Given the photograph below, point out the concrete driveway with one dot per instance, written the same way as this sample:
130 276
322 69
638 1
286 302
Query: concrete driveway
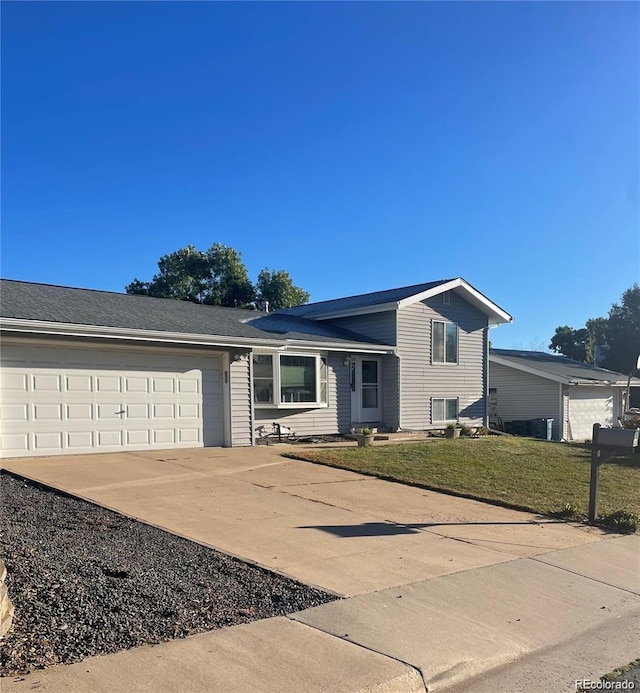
443 586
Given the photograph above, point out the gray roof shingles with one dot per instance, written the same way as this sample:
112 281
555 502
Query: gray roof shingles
46 302
560 366
363 300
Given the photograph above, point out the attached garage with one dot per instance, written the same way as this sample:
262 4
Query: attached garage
69 398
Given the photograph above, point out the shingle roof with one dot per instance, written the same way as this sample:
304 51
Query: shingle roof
560 367
60 304
362 300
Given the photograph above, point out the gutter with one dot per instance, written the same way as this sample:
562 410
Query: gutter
21 326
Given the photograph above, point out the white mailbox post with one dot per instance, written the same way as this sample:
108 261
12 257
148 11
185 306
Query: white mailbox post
604 443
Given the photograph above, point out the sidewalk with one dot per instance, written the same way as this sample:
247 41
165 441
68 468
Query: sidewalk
441 589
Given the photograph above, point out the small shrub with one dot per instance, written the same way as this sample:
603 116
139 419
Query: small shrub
621 520
569 510
451 426
365 431
465 430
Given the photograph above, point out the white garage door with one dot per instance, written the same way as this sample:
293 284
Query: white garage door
589 405
61 400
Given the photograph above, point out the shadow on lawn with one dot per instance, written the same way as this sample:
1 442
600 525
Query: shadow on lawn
382 529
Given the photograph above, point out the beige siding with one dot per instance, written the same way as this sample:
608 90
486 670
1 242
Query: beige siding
326 420
421 380
240 397
521 396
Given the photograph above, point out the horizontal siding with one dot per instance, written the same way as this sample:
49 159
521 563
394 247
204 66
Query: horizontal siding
421 380
240 396
378 326
389 392
322 421
521 396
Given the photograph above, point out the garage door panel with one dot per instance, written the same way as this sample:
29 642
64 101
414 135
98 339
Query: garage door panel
164 436
78 383
136 384
589 405
108 383
57 400
46 442
18 443
47 382
137 411
79 440
14 412
14 382
79 412
141 437
47 412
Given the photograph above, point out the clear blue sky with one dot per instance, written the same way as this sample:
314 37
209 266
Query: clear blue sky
360 146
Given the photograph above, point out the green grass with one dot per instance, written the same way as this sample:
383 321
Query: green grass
529 474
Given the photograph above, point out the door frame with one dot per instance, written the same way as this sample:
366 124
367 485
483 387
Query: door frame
358 413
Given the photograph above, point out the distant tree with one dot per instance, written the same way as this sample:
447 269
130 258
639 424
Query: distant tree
217 277
570 343
619 334
623 332
275 288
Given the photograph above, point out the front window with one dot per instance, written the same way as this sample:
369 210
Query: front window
289 380
444 342
444 410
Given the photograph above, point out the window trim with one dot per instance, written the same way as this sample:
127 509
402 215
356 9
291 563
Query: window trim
277 380
444 400
444 362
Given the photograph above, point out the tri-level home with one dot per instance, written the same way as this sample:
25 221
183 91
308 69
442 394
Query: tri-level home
93 371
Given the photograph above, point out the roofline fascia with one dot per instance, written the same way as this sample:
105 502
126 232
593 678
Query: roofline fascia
350 312
557 378
460 283
22 326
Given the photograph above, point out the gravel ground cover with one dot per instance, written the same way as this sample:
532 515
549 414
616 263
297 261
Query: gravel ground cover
86 581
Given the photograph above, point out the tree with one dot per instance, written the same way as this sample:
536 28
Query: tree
619 334
570 343
276 289
217 277
623 332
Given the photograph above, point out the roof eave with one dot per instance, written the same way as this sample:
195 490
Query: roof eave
496 315
378 308
41 327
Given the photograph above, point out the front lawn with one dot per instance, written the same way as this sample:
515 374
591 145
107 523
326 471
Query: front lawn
524 473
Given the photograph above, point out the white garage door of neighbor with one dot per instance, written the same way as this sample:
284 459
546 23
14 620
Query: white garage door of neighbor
589 405
62 400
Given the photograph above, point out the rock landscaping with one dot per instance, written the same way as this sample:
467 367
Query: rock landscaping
87 581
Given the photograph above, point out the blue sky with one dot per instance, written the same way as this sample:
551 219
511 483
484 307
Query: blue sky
360 146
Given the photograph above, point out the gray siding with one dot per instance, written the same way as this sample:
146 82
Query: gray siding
382 328
326 420
378 326
389 392
421 380
240 399
522 396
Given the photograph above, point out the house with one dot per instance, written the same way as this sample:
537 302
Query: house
527 385
92 371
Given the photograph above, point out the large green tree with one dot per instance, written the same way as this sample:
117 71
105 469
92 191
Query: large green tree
618 335
275 288
218 277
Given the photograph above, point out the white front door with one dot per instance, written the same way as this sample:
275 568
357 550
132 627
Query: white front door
365 389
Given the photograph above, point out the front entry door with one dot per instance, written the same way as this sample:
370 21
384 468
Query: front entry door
365 389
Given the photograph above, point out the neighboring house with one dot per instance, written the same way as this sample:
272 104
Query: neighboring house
92 371
527 385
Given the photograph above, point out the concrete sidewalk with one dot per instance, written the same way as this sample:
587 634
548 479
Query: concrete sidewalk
441 589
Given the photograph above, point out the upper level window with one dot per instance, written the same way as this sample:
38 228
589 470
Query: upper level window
289 380
444 342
